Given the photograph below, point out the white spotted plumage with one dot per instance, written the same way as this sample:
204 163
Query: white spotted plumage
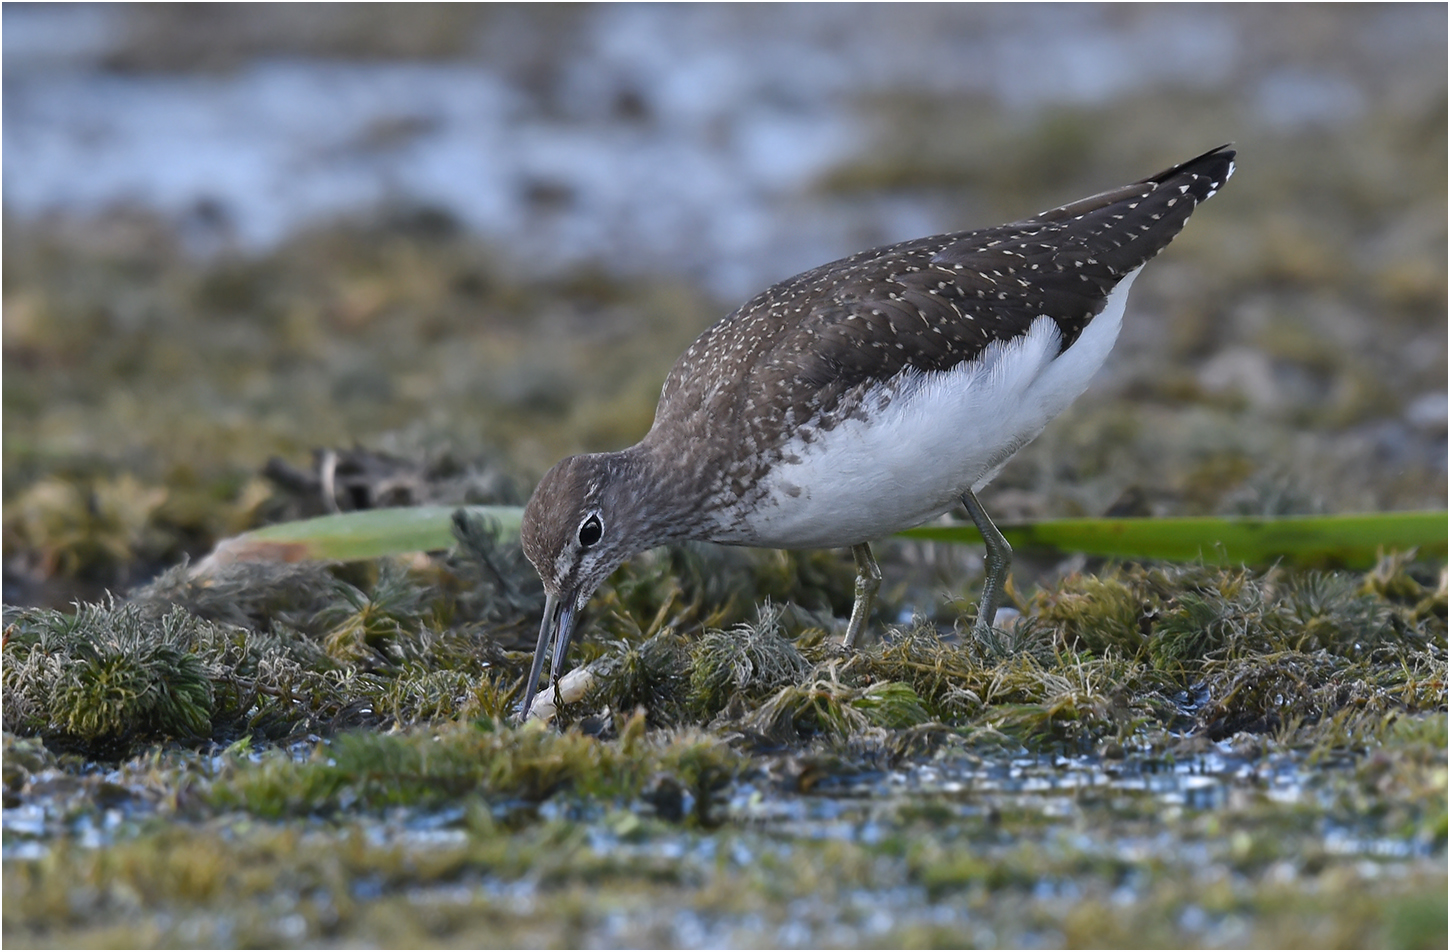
923 439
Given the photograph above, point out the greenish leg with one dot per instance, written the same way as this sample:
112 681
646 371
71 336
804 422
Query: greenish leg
868 581
999 558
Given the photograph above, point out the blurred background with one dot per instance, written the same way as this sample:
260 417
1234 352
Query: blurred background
453 243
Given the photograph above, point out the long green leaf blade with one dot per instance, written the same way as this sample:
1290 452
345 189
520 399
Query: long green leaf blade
367 534
1350 541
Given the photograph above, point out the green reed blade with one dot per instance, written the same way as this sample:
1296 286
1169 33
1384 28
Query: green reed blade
366 534
1350 541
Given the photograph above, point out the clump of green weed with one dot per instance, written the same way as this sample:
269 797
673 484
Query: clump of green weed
1392 581
361 625
1072 700
653 674
1197 623
106 677
365 770
484 580
111 677
1179 617
687 587
1097 613
1279 650
814 580
750 660
1332 612
947 679
1265 693
255 649
826 706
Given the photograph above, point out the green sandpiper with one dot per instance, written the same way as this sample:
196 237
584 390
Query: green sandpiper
863 397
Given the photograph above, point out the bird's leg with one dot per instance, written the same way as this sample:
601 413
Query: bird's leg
999 558
868 580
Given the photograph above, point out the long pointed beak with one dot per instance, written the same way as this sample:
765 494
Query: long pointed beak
560 618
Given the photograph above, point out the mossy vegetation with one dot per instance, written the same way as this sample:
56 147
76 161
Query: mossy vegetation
365 771
294 736
291 650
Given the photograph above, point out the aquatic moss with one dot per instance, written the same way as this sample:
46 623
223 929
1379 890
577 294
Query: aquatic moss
1097 612
364 625
111 677
290 651
107 676
1265 651
948 679
750 660
370 771
652 675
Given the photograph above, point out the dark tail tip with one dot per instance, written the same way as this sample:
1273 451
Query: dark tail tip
1216 164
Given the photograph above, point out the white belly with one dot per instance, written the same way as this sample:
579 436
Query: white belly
926 438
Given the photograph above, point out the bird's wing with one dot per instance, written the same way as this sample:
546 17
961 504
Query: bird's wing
931 303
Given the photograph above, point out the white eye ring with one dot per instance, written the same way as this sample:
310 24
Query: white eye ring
591 530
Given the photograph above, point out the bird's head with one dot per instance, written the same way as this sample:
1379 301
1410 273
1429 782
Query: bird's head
583 521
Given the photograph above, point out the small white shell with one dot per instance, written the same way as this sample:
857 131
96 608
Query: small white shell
572 687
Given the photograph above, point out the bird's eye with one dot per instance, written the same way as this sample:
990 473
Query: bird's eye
590 531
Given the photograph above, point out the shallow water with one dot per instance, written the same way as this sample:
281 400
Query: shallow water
101 805
684 140
990 847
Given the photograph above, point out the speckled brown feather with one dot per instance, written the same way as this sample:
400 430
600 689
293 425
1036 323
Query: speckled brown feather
799 356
